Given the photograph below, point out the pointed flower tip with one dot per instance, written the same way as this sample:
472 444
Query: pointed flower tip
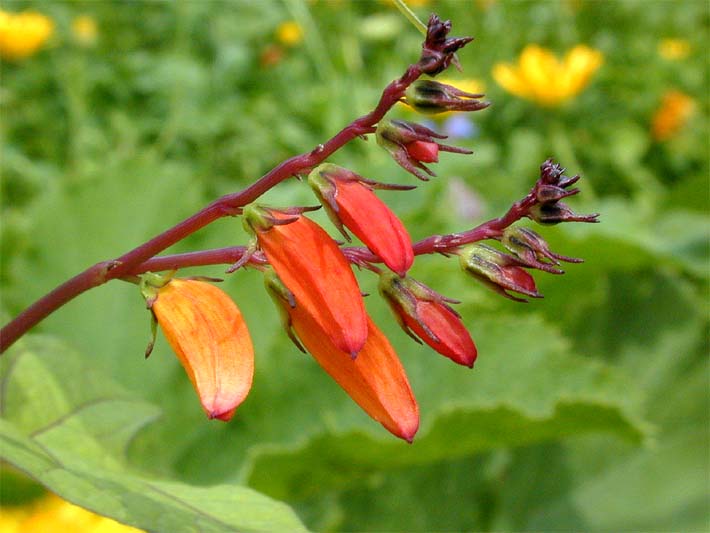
208 334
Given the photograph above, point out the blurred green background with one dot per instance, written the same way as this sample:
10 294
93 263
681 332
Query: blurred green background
587 410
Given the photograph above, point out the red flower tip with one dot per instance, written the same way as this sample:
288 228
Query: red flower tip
426 152
350 202
312 266
427 316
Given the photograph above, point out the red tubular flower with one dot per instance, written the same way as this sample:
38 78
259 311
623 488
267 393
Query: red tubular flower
349 200
375 380
210 338
310 263
426 316
500 271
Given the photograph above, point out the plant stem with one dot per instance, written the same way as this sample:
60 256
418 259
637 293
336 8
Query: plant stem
229 205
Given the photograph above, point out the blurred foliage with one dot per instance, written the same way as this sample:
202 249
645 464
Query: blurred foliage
587 410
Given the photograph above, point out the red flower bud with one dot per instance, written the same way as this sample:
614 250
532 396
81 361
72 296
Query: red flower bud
412 144
375 380
349 201
210 338
312 266
426 316
531 249
426 152
500 271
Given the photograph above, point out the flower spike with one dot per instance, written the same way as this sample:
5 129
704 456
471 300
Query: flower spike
426 316
208 334
349 200
375 380
315 270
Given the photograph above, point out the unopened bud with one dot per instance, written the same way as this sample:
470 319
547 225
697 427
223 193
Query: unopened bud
533 250
411 145
431 97
497 270
427 316
555 213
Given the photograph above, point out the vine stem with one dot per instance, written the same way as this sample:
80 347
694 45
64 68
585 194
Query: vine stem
229 205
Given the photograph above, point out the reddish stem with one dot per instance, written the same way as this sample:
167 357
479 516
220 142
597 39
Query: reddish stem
228 205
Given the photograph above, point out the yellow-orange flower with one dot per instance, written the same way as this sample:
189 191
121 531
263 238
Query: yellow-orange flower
541 77
51 513
22 34
289 33
210 338
375 379
85 30
675 110
674 49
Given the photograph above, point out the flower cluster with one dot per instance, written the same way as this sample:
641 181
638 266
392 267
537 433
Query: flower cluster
310 278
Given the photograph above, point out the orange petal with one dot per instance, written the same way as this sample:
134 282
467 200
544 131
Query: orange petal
375 224
314 269
208 333
375 380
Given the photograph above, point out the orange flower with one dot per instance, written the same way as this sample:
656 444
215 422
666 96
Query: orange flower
349 200
375 379
426 316
312 266
209 336
673 114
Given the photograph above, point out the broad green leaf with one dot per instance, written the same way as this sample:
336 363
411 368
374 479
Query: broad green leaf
67 426
519 392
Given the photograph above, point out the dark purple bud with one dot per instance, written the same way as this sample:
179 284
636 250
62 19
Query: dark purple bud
438 50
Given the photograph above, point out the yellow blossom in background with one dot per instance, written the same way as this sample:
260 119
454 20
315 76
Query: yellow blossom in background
22 34
52 514
674 49
289 33
85 30
541 77
672 115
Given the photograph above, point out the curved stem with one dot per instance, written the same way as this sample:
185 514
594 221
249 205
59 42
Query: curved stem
228 205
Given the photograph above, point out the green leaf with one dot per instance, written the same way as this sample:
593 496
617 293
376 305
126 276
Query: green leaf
68 427
520 392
